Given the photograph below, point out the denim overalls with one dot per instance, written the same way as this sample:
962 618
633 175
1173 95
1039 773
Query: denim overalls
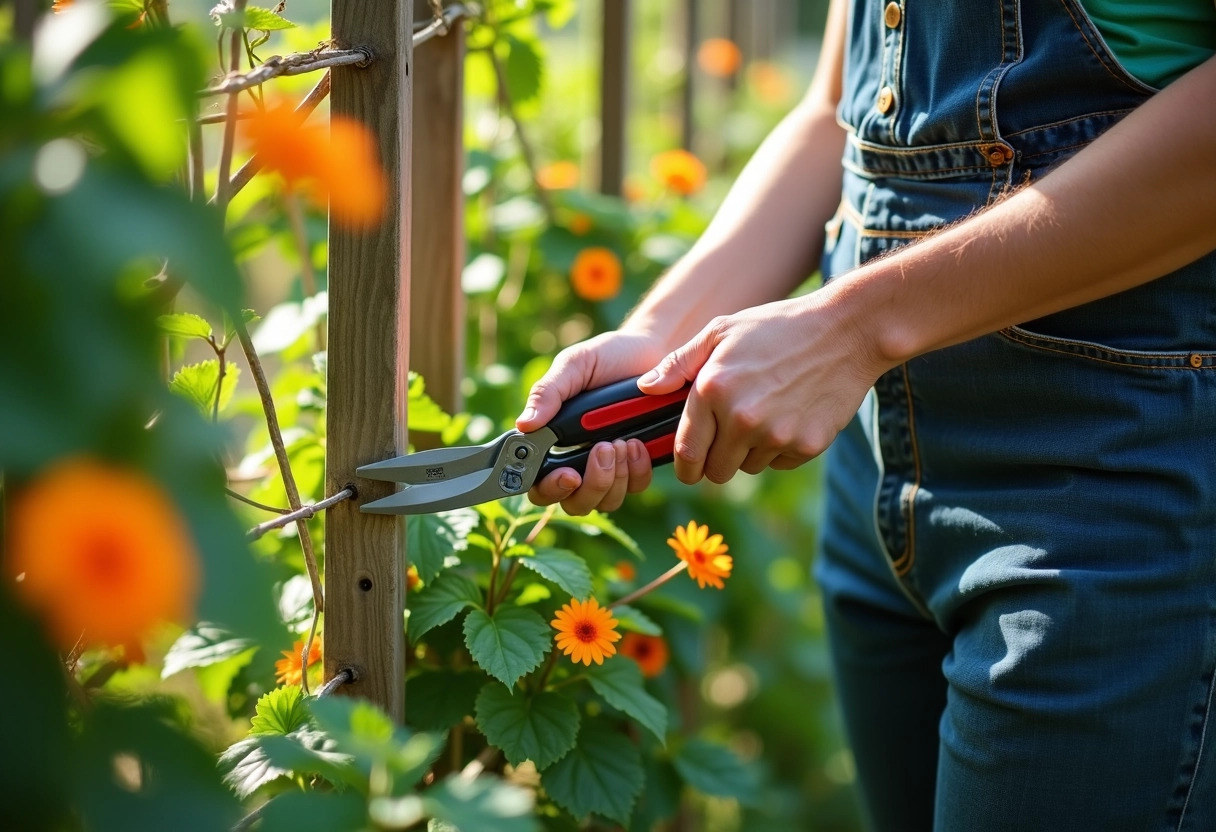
1018 560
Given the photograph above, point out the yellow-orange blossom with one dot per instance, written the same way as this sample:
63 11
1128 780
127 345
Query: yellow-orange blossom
585 631
706 556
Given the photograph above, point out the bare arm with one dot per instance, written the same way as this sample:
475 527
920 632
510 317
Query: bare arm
776 383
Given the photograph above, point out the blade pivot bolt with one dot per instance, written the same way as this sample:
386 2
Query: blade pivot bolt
521 452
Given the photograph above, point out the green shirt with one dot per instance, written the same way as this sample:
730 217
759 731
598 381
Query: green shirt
1157 41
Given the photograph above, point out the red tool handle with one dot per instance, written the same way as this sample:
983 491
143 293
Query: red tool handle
614 412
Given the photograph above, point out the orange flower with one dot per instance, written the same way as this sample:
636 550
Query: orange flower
596 274
60 6
585 631
558 176
101 550
633 189
625 570
412 579
706 556
679 170
289 670
719 57
337 162
650 652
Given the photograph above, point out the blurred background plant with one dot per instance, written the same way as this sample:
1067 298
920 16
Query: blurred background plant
92 208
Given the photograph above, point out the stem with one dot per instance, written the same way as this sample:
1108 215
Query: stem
219 384
312 633
507 581
653 585
302 513
223 190
280 452
236 495
479 764
532 535
544 674
490 593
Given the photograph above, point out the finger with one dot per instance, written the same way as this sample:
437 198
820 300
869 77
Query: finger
567 376
620 486
682 364
640 468
787 462
694 437
725 456
598 479
556 487
757 460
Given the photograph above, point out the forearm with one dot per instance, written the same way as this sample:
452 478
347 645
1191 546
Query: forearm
768 234
1136 204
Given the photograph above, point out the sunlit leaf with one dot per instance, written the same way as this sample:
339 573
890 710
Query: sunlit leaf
431 538
631 618
440 602
200 646
280 711
562 567
524 68
184 324
197 383
509 644
620 683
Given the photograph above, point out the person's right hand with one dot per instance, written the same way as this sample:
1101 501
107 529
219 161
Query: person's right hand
613 469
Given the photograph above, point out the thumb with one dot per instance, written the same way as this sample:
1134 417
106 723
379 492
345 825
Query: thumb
682 364
564 379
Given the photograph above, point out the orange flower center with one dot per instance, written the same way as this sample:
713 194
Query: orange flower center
586 632
643 649
105 562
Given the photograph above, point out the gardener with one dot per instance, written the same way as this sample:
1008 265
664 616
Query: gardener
1018 558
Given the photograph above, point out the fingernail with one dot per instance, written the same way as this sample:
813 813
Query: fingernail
635 451
568 482
529 414
605 457
649 378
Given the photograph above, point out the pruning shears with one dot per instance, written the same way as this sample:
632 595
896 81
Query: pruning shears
447 478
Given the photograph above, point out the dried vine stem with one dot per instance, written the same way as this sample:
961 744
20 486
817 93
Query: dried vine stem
297 64
223 191
280 453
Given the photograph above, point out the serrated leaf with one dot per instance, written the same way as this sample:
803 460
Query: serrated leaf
714 769
593 524
440 602
197 383
631 618
508 645
200 646
247 766
280 711
541 728
524 69
483 803
438 699
601 774
620 683
431 538
265 19
184 324
562 567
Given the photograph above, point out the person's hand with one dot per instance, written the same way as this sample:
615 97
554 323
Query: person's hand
614 469
772 386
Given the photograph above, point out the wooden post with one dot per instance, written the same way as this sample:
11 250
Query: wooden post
614 94
438 254
368 357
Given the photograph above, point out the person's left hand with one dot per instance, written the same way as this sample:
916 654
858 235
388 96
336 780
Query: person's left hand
772 386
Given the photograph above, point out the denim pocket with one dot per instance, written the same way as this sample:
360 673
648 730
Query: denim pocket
1092 351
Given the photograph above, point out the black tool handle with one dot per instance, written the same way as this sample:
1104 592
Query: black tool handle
659 440
612 412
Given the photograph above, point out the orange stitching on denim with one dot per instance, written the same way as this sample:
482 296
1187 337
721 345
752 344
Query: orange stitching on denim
909 554
1046 344
1081 31
846 211
1064 121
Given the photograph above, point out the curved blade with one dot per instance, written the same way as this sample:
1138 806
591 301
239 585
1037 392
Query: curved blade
438 465
468 490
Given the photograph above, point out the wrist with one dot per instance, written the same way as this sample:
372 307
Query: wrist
860 314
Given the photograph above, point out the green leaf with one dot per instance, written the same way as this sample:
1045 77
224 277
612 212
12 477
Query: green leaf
203 645
363 730
248 765
508 645
620 683
714 769
265 19
293 811
197 383
541 728
438 699
524 68
185 325
424 413
633 619
440 602
602 774
280 711
562 567
431 538
483 803
593 524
